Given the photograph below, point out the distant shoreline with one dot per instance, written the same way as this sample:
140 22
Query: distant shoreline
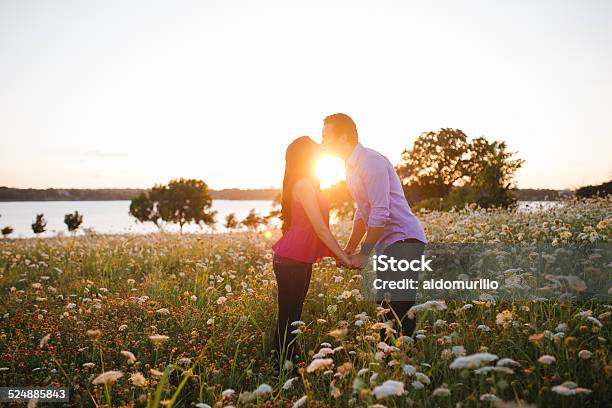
8 194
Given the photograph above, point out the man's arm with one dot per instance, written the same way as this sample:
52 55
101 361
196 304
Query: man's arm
376 180
357 233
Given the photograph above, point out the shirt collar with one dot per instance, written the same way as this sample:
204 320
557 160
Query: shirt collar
355 154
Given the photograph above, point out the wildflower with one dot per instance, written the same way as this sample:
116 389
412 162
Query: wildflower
547 359
569 388
388 388
289 383
319 363
44 340
504 362
263 389
131 358
71 306
94 333
156 373
488 369
300 402
504 317
585 354
417 385
458 351
594 320
323 352
158 339
362 372
571 341
472 361
107 377
386 348
163 311
184 361
441 392
338 333
228 393
138 379
88 365
489 398
193 298
422 378
334 392
536 338
221 300
408 369
429 305
344 369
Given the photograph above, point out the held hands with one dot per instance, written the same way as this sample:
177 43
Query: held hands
358 261
353 259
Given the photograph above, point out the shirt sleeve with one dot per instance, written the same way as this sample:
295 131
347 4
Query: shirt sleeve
376 180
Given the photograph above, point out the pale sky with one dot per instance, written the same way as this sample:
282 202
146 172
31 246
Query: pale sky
126 93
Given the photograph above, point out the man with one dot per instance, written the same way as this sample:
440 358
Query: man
382 215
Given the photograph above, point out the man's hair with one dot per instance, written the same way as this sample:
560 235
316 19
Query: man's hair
343 124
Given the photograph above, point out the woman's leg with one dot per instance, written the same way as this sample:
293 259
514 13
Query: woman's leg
292 280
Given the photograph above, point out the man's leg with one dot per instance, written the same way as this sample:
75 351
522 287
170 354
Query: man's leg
403 299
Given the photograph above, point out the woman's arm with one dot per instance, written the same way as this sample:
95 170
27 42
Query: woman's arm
304 192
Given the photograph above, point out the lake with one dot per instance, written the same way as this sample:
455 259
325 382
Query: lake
112 217
109 217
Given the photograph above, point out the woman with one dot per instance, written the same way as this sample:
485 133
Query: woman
306 239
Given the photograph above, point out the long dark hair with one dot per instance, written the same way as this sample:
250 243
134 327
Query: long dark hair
300 160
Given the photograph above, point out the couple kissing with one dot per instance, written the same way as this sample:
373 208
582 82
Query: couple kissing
383 223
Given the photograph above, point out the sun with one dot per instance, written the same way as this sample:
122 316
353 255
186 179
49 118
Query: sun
330 170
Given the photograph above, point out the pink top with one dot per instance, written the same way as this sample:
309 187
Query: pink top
300 242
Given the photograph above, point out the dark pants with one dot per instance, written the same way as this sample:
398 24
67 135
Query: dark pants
401 300
292 279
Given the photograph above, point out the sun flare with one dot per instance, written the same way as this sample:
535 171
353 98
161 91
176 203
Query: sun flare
330 170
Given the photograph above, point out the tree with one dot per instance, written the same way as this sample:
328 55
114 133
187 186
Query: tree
340 200
186 200
231 222
73 221
6 231
491 170
276 211
40 225
443 170
253 220
145 206
436 163
600 190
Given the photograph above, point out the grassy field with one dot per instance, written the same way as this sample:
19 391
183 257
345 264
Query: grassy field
186 320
